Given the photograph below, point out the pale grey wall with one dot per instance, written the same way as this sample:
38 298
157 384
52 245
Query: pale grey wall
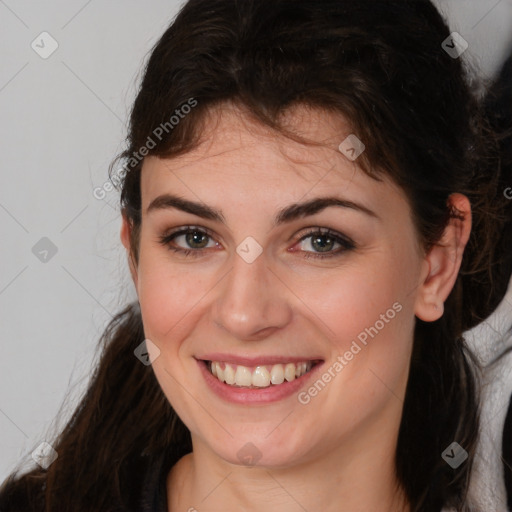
62 120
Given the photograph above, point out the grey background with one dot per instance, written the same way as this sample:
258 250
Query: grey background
62 121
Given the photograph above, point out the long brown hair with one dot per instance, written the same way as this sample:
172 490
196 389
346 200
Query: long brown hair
381 65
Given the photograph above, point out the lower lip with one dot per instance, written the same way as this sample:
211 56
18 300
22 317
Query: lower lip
267 395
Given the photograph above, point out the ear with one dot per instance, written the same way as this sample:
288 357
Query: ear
442 263
126 228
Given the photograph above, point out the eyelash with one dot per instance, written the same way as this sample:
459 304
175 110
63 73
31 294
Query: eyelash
345 242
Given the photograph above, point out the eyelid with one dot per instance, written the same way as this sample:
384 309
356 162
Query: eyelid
313 230
191 227
346 242
169 235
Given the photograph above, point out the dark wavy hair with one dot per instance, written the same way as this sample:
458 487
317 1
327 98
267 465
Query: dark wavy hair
380 64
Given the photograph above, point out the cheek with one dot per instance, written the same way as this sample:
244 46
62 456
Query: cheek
367 314
370 324
170 295
348 302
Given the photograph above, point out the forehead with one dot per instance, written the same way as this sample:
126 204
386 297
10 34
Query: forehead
237 150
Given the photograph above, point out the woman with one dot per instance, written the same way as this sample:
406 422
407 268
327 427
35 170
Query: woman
335 170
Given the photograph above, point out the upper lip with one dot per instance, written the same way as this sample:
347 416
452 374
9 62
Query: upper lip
256 361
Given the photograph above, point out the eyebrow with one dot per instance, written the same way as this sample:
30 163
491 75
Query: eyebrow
287 214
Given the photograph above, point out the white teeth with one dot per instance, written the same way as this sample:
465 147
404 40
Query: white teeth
277 374
229 375
289 372
220 371
260 376
243 376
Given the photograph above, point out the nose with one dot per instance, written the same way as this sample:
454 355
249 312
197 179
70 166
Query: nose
252 302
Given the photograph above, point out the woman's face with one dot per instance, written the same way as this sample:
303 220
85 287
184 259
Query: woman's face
259 286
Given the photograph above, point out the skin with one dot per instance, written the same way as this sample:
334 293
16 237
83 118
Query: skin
337 451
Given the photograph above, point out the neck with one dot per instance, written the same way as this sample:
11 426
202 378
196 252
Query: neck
349 479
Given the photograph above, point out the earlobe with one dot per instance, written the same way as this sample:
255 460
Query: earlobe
442 263
125 239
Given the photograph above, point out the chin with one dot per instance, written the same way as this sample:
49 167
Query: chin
262 452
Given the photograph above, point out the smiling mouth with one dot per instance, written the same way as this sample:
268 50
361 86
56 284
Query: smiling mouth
262 376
